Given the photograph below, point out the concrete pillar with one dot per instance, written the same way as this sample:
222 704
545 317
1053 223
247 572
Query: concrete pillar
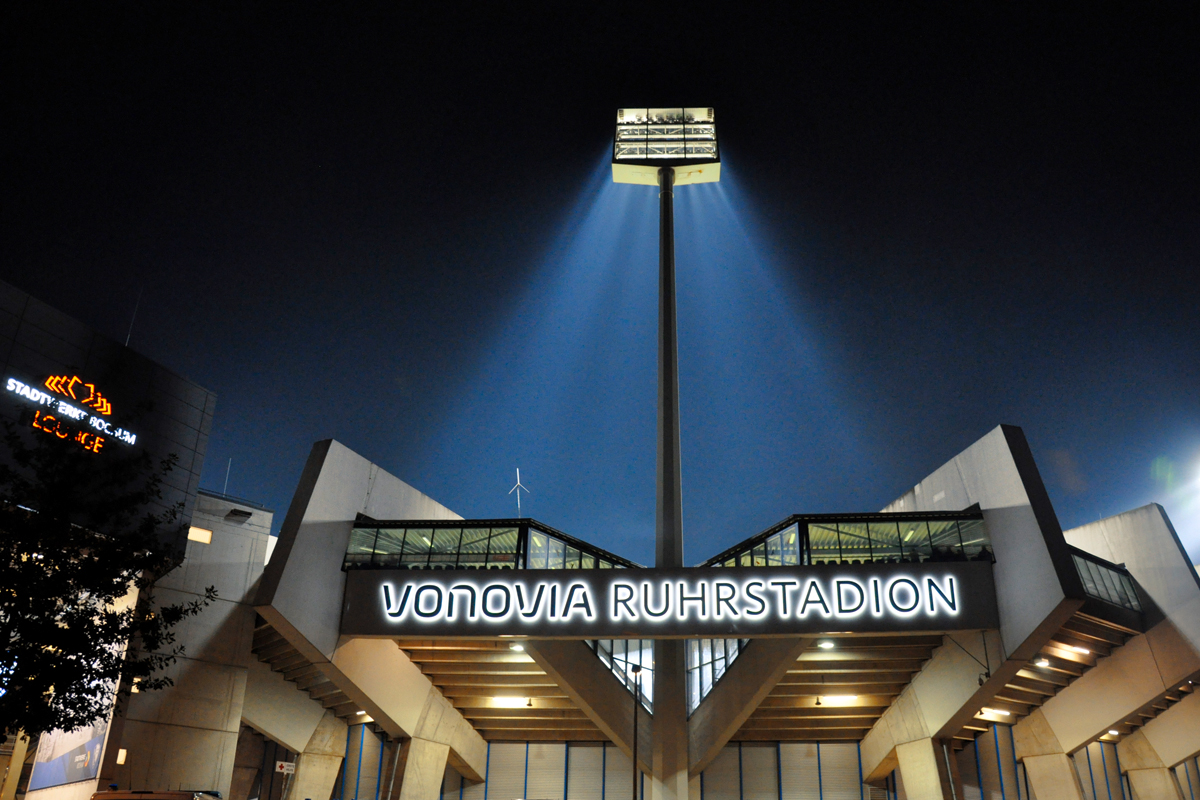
669 759
926 771
1148 774
420 769
934 701
1053 777
247 763
317 767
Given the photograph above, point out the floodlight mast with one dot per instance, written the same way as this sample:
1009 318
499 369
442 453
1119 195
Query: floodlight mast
667 147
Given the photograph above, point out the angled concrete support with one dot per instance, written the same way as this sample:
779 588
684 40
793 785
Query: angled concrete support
303 586
597 692
750 678
318 764
1147 754
933 702
1053 777
1134 674
669 754
420 769
926 768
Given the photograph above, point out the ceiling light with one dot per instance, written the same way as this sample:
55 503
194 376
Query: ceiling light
517 646
1080 650
359 713
511 702
1114 733
825 645
839 699
1043 662
997 711
426 538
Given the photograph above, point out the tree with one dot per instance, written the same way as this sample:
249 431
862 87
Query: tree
77 534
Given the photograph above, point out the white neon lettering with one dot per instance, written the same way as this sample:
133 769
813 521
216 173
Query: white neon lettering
584 601
813 597
618 600
781 591
437 608
483 601
666 605
701 598
719 598
949 601
762 606
462 587
913 590
842 586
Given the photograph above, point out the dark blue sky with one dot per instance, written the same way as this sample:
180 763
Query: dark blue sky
396 228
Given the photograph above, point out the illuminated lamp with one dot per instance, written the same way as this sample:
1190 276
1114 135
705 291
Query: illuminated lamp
201 535
517 646
997 711
511 702
1081 650
1043 662
121 753
683 140
1114 733
839 699
826 645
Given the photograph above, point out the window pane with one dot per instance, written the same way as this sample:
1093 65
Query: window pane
943 536
445 545
557 551
362 540
974 537
774 553
823 541
537 550
855 544
503 547
885 541
588 561
391 540
790 546
760 555
914 538
572 558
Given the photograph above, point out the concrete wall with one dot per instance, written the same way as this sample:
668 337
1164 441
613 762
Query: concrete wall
1033 572
186 735
1146 543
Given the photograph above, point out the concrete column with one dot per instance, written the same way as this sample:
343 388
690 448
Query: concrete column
1053 777
247 763
317 767
669 759
926 771
420 769
1148 774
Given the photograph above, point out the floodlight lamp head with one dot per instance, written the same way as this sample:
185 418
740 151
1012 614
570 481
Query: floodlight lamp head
648 139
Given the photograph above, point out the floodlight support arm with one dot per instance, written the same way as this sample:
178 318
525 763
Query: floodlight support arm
668 546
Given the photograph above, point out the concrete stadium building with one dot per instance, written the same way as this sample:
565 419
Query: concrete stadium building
957 644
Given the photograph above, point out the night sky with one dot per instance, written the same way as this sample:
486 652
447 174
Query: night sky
394 225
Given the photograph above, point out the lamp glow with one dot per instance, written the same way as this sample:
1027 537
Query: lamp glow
825 645
996 711
650 138
839 699
517 647
1043 662
510 702
1114 733
1081 650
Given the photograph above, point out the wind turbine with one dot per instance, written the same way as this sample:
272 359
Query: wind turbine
518 489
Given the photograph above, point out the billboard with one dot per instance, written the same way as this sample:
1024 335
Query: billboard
59 378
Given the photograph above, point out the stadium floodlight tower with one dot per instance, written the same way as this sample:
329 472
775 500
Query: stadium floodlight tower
667 147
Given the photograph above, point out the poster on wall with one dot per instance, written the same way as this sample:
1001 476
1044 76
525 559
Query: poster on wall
67 757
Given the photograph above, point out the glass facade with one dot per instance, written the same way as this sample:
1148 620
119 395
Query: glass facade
471 544
1105 581
707 661
863 539
621 656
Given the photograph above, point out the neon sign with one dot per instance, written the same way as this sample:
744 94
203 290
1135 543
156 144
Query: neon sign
63 419
718 602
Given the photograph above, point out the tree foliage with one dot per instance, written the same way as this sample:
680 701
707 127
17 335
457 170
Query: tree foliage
77 534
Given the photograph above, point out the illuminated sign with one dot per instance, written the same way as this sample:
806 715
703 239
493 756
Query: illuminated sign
84 423
719 603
